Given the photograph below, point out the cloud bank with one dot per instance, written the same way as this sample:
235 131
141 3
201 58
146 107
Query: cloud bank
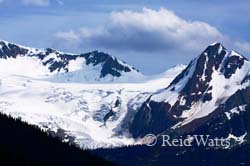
150 31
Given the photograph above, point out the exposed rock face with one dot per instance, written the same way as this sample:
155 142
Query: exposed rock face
230 120
11 50
110 64
210 86
57 61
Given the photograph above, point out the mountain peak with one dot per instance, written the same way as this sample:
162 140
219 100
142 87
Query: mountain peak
102 64
216 44
214 49
4 42
206 82
215 58
237 54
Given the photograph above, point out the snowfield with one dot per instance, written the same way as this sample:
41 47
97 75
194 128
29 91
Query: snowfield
88 113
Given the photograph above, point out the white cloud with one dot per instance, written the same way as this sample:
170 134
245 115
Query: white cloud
151 31
36 2
71 39
71 35
244 46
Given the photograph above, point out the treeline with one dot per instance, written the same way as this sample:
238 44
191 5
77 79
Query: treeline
23 144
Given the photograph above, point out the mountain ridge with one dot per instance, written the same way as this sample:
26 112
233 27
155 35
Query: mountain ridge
192 98
77 105
182 100
99 65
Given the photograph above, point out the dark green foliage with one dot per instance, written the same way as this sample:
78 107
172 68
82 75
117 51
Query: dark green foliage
22 144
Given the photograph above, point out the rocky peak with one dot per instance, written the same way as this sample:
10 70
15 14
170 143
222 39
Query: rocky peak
205 83
58 62
214 49
8 50
110 64
233 62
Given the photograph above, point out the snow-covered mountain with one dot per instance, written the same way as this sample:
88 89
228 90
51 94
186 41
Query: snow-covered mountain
210 95
64 67
85 99
96 100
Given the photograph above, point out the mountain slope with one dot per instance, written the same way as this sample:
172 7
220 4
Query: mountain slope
65 67
196 95
91 114
68 104
54 92
22 144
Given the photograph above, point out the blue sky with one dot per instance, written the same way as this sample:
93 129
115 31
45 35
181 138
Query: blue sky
151 35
